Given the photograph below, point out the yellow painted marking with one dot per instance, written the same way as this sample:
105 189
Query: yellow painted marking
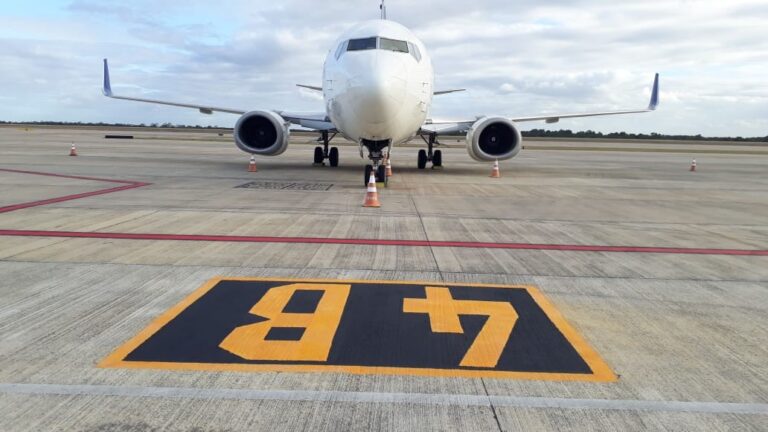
249 341
444 312
600 370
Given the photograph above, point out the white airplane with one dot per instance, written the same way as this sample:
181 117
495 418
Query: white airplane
377 88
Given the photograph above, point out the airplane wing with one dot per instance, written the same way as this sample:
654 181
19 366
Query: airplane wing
316 121
308 120
205 109
452 127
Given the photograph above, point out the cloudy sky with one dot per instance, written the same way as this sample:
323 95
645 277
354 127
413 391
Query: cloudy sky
521 57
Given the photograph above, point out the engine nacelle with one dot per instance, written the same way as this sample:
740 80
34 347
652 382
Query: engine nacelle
261 133
492 138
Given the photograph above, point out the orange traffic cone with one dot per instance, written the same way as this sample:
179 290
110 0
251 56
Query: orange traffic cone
252 165
371 195
73 150
495 172
693 165
388 171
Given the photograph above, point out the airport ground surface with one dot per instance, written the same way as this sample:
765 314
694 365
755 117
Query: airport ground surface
685 330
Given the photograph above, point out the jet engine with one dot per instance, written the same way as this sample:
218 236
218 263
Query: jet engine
262 133
492 138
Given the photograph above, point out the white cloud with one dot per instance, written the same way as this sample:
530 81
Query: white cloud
516 58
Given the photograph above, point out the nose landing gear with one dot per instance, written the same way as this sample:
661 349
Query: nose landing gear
323 153
379 172
435 156
376 155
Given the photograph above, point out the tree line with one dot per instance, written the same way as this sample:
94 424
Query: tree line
152 125
542 133
567 133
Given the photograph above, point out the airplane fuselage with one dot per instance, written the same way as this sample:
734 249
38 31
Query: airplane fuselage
378 84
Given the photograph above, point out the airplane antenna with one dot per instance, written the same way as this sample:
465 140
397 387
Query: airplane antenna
383 8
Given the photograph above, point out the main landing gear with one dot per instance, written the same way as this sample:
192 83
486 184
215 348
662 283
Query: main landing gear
435 156
323 153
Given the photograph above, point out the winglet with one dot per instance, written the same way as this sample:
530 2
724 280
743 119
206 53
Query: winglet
107 89
654 94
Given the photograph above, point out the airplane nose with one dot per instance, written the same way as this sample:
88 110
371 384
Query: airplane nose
379 102
379 94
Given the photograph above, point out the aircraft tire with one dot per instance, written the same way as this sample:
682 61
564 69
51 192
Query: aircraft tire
437 158
422 160
333 156
381 176
368 170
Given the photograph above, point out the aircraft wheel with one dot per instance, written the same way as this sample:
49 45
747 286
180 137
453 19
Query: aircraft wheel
319 155
333 156
368 171
437 158
422 161
381 176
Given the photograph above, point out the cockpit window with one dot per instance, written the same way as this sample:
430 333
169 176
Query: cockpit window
393 45
361 44
371 43
342 47
415 51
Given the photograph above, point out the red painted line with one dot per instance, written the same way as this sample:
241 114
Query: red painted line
384 242
128 184
68 176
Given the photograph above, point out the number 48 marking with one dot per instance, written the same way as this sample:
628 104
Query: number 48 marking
250 341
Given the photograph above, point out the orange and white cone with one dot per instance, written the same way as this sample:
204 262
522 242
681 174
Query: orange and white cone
252 165
693 165
371 195
73 150
388 171
495 173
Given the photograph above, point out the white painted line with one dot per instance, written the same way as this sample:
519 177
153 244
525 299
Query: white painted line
632 405
373 397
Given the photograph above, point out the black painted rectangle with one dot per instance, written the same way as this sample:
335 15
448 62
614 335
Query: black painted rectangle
289 186
373 331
